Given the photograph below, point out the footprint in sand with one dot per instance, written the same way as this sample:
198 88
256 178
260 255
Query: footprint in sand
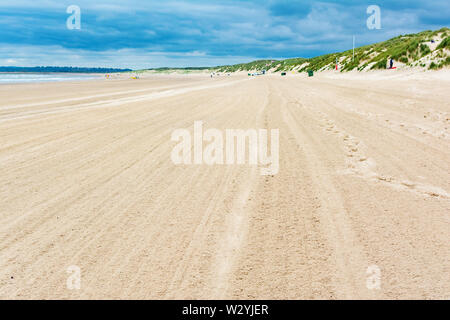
365 167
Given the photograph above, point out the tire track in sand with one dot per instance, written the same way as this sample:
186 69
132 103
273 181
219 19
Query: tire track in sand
351 261
361 165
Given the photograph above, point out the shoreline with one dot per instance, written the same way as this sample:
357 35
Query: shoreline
46 77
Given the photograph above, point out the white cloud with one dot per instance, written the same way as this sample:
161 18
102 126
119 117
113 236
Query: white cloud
196 54
197 32
123 58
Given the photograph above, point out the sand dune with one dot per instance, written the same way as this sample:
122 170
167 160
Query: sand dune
86 180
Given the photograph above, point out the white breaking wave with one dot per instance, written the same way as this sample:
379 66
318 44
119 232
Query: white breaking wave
43 77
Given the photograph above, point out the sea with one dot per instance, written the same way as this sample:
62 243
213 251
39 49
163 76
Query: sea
15 77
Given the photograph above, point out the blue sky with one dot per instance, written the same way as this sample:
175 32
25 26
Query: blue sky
148 33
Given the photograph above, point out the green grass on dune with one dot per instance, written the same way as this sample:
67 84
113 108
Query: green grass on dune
407 49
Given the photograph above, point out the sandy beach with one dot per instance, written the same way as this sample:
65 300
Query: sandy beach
86 180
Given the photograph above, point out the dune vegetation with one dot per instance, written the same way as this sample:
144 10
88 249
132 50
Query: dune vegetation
427 49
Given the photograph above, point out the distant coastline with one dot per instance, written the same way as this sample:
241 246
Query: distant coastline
60 70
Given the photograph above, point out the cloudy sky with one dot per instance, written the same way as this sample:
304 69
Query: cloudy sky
148 33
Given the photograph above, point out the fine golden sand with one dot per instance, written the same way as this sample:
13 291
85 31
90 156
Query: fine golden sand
86 180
